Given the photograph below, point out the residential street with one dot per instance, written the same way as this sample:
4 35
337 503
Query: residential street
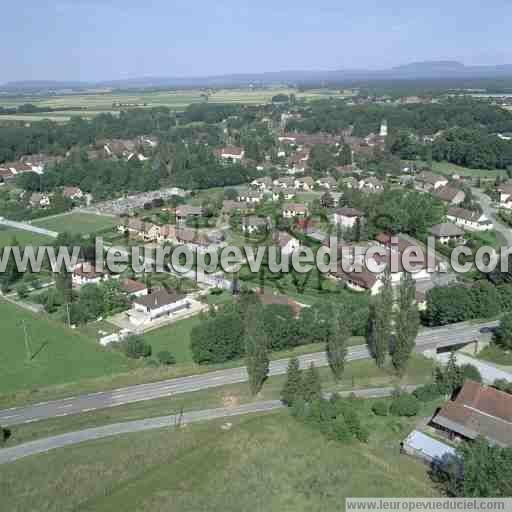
490 212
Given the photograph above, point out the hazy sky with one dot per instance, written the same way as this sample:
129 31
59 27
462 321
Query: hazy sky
112 39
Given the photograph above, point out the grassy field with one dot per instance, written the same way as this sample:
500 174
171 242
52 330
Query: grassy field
359 374
77 223
114 101
450 169
23 237
59 355
264 462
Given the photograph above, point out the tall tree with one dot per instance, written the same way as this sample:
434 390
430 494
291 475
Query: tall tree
336 346
407 323
293 387
256 354
312 384
379 323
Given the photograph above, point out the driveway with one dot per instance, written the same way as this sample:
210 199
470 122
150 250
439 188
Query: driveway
490 212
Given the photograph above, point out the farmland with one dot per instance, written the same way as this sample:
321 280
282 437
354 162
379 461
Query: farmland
77 223
269 462
55 354
93 103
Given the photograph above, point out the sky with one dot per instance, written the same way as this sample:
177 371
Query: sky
93 40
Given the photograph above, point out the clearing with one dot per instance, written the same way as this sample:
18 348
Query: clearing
78 223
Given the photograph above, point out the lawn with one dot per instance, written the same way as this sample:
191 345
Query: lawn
23 237
263 462
495 354
450 169
174 338
78 223
59 355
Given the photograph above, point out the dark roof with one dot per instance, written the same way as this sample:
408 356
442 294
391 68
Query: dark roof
479 411
349 212
446 193
159 298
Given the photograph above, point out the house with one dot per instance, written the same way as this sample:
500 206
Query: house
264 183
152 233
292 210
364 281
6 174
73 193
232 153
450 195
38 200
286 242
470 220
328 183
305 184
21 167
167 233
371 185
250 196
447 232
87 273
347 217
159 304
134 226
253 224
133 288
199 241
505 195
478 411
229 206
428 181
285 193
186 211
284 182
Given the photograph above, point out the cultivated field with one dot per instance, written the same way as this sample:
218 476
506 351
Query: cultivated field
77 223
55 355
265 462
91 104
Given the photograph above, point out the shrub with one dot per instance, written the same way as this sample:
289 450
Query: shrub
405 404
380 408
135 347
468 371
166 358
427 393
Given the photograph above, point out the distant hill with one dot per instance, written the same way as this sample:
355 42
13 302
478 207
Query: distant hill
415 70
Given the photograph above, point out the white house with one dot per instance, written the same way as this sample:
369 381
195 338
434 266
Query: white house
286 242
347 217
505 196
328 183
38 200
73 193
467 219
447 232
250 196
232 153
149 308
292 210
86 273
264 183
287 193
371 185
428 181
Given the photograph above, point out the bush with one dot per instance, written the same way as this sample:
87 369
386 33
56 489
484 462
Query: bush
135 347
405 404
166 358
380 408
22 290
427 393
470 372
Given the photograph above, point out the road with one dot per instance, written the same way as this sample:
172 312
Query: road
428 339
28 227
490 212
488 371
90 434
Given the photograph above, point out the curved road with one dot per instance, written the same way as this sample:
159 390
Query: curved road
428 339
90 434
490 212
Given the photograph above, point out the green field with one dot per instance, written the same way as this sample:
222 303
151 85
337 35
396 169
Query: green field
59 355
450 169
174 338
114 101
23 237
266 462
78 223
